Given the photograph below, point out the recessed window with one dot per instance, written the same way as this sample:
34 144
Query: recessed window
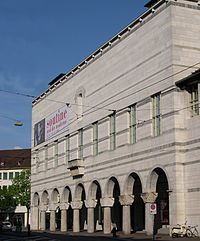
132 124
16 174
95 138
5 176
156 115
80 143
194 99
10 175
113 131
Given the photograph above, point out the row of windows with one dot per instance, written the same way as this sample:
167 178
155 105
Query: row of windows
156 122
156 127
8 175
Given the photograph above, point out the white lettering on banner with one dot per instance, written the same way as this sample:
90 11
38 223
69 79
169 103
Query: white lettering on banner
56 123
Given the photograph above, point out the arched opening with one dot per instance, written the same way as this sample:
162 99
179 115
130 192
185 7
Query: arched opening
56 200
80 196
67 198
116 210
162 201
45 203
35 212
138 206
95 194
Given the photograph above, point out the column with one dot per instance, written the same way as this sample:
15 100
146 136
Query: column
126 201
34 218
107 203
148 198
64 207
52 209
43 218
76 206
90 205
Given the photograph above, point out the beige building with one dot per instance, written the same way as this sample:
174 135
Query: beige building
12 162
120 131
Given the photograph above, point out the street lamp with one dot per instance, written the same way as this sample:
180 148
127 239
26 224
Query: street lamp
16 122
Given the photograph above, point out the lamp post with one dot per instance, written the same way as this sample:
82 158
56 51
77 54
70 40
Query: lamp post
16 122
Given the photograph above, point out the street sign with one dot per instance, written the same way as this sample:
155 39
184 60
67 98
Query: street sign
153 208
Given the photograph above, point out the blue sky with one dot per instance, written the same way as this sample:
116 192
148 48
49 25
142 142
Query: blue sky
40 39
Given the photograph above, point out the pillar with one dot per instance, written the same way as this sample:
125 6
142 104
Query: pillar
34 218
43 218
52 209
90 205
107 203
76 206
64 207
148 198
126 201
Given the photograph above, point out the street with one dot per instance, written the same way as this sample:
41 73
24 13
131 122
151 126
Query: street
83 236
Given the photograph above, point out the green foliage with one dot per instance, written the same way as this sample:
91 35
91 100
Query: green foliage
6 199
21 188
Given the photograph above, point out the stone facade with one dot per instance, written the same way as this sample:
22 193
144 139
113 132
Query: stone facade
128 137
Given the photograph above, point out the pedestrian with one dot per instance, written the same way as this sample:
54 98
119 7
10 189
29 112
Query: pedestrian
114 230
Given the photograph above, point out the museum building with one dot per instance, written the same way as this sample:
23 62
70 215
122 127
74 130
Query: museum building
120 131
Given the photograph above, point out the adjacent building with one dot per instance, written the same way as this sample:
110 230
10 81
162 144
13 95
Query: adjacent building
120 131
12 162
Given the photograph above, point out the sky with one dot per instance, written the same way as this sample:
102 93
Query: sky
40 39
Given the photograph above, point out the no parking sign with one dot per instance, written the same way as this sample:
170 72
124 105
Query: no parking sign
153 208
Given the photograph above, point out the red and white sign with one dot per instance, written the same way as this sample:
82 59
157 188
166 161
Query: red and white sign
57 122
153 208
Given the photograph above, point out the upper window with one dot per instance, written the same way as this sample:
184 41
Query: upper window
95 138
132 124
80 143
5 176
10 175
194 99
156 115
113 131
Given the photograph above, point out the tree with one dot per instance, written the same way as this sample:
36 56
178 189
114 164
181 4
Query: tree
21 190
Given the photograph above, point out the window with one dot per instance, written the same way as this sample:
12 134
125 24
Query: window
113 131
194 100
80 105
156 115
132 124
56 153
10 175
46 157
0 175
16 174
80 143
67 149
95 138
5 176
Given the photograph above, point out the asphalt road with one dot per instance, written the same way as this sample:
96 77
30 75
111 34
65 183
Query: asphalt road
43 236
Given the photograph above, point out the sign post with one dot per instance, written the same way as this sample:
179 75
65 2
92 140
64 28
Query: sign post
153 211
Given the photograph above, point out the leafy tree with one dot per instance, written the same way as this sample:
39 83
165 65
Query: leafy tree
6 199
21 188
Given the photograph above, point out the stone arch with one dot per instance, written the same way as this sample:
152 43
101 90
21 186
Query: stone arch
45 204
133 186
81 196
66 198
45 198
55 196
159 184
36 200
113 190
95 193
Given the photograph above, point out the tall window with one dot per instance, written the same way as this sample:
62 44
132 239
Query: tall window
194 100
56 153
132 124
95 138
67 149
5 176
80 105
156 115
80 143
10 175
113 131
16 174
0 175
46 157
